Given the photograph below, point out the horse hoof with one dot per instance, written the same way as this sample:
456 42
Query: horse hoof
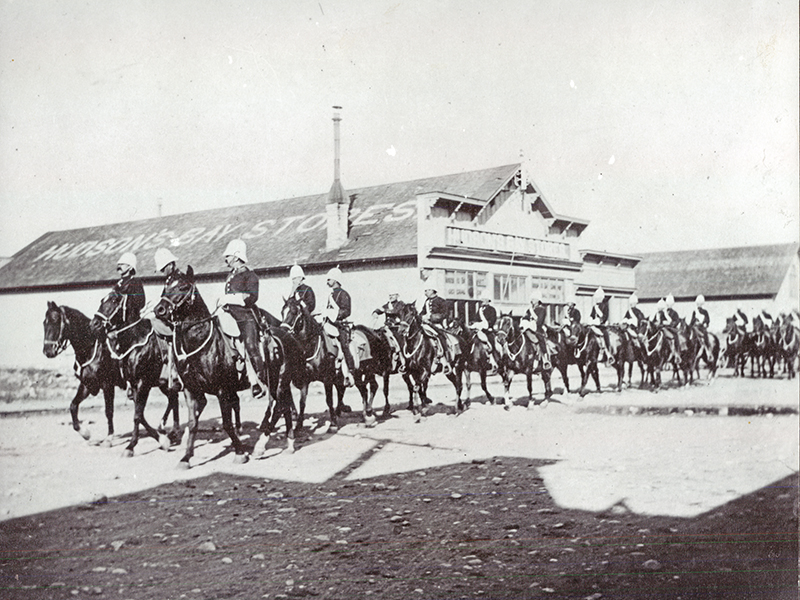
544 404
239 459
106 443
85 433
127 453
370 420
290 449
163 442
183 465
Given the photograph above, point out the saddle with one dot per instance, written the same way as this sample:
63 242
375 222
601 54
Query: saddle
359 347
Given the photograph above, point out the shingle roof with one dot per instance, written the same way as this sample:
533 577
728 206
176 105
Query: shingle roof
278 234
721 272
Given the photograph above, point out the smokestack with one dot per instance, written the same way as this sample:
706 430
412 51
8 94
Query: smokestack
337 207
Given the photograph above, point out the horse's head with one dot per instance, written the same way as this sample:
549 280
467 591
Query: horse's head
55 326
111 314
180 299
294 315
504 328
409 319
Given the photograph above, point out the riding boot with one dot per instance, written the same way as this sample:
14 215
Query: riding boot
347 368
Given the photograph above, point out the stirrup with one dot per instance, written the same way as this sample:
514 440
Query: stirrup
257 391
447 369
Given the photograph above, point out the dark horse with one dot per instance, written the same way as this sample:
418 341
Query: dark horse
735 346
207 362
420 352
319 359
587 350
478 361
94 367
788 343
141 354
372 357
518 355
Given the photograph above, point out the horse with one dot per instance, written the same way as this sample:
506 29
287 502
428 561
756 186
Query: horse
320 360
518 355
207 362
478 361
141 355
656 352
735 347
761 349
564 352
372 356
419 351
708 350
625 348
94 367
587 350
788 344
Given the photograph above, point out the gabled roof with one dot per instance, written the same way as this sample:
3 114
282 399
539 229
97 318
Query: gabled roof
722 272
278 234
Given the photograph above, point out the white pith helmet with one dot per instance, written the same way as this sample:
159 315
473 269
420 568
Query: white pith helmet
536 297
599 295
486 295
296 271
163 257
633 300
128 258
336 274
700 300
670 300
661 304
236 248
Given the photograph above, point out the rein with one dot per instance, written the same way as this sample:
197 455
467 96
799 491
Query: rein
179 354
78 367
133 346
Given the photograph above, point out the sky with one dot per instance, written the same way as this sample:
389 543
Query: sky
668 125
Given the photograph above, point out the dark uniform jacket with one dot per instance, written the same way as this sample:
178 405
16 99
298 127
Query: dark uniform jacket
243 281
342 300
574 315
704 320
488 314
392 310
634 313
600 312
436 308
305 295
132 291
536 315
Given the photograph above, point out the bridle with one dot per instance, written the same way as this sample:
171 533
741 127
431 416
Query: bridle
107 318
61 342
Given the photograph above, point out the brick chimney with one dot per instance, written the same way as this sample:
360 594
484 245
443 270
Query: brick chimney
338 206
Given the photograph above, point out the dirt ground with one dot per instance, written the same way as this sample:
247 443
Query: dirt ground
556 502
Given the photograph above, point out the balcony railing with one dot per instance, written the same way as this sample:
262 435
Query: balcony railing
502 242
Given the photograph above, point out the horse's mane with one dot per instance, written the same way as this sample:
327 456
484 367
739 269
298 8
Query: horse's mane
75 316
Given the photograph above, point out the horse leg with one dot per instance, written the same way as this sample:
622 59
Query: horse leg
468 384
331 410
285 403
387 408
194 404
529 381
562 368
489 397
455 379
227 401
548 391
369 414
108 399
80 396
410 386
596 376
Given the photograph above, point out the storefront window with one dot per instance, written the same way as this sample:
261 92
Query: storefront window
509 288
464 285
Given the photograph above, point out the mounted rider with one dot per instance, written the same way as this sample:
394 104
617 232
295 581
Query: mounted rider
742 322
598 318
239 301
487 318
166 263
337 310
534 321
434 318
130 287
700 315
571 321
392 312
633 319
301 291
669 320
700 321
